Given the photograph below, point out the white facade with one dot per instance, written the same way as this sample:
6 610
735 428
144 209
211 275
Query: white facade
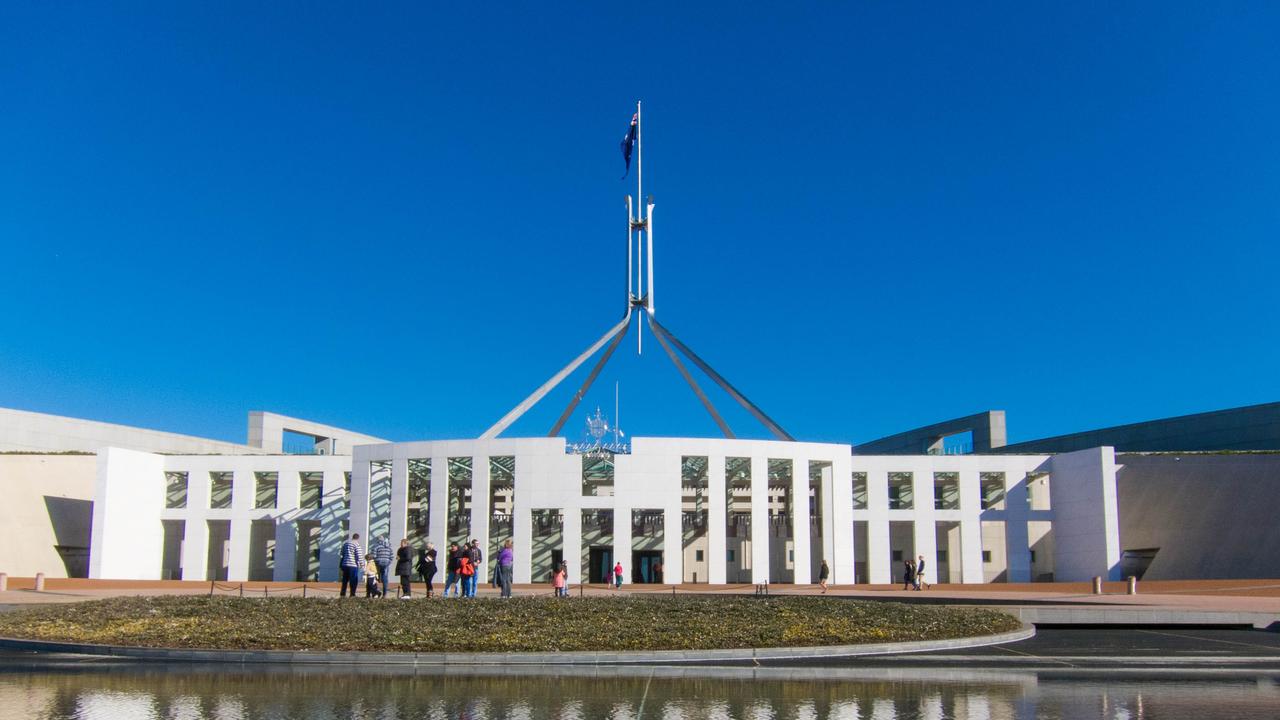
670 509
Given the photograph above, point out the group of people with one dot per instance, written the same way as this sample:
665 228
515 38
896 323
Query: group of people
462 568
913 574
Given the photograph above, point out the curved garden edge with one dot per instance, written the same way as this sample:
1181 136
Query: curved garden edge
278 657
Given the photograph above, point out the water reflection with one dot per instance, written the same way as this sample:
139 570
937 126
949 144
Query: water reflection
221 693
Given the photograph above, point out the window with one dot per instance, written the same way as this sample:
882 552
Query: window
730 556
859 491
697 556
900 491
597 475
220 490
992 488
266 487
175 490
1033 556
946 491
311 491
897 556
986 557
346 491
942 556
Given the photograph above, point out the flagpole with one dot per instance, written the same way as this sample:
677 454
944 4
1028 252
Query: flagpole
640 217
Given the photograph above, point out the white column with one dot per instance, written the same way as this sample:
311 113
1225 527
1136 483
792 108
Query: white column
879 571
1017 548
970 527
837 520
288 487
673 543
438 510
243 490
925 528
480 512
800 520
358 520
332 512
759 520
717 552
1086 528
195 538
573 543
522 540
622 541
399 501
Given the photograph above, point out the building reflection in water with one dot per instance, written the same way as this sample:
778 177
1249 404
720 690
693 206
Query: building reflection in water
217 693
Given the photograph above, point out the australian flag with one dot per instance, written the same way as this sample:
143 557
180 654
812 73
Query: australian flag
629 143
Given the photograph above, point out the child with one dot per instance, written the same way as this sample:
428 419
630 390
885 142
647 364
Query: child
371 588
558 580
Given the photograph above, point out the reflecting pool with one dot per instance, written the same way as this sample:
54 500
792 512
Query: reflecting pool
115 692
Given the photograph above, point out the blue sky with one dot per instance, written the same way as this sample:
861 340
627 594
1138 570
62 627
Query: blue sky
402 218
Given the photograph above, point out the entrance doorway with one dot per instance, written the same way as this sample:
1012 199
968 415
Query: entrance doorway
646 566
600 565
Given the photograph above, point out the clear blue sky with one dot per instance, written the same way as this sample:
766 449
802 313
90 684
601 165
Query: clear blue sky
402 218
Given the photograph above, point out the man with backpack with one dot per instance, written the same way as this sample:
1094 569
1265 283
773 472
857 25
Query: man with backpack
382 556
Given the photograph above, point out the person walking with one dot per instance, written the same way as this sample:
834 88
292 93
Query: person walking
506 565
617 576
451 571
382 556
466 572
477 557
404 568
824 572
908 574
349 564
427 567
920 573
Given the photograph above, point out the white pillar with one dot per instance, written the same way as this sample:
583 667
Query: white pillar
573 543
522 530
332 512
480 479
925 528
243 492
399 501
1086 527
195 538
673 542
879 571
800 520
622 541
970 527
1017 548
717 550
438 508
358 520
759 520
837 520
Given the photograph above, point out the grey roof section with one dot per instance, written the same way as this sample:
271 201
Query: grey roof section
988 430
1255 427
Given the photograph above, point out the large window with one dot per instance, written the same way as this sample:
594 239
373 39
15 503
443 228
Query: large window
901 496
859 491
946 491
220 490
311 491
266 489
175 495
597 474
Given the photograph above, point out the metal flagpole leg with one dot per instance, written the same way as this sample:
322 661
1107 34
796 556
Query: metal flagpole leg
774 428
555 380
586 384
706 402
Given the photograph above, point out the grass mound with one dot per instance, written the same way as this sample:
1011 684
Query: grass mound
493 625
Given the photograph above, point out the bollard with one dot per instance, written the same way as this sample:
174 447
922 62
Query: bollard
304 589
39 582
1097 585
241 589
4 581
1133 585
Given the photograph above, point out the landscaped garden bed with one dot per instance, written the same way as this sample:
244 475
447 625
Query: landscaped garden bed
494 625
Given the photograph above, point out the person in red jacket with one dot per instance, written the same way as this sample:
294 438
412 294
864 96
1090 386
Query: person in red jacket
617 576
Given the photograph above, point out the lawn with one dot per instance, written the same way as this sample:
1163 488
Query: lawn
495 625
